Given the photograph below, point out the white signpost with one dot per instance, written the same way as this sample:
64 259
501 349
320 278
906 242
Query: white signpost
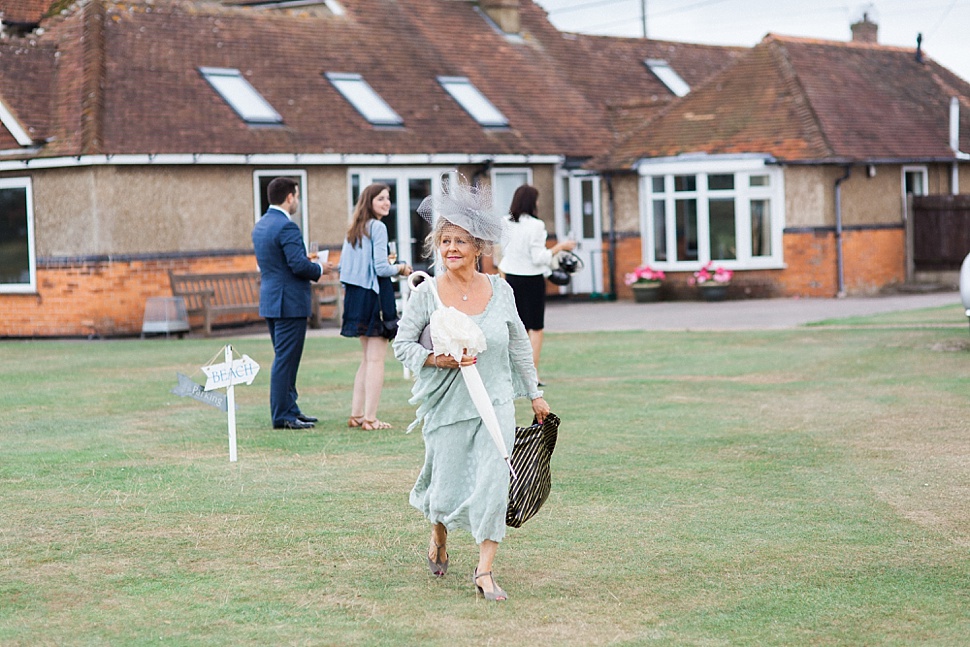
226 376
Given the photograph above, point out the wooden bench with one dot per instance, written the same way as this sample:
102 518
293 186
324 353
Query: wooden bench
329 294
213 295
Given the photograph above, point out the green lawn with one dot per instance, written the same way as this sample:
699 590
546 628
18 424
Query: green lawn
804 487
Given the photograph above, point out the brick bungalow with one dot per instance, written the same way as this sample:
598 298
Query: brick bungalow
793 165
138 137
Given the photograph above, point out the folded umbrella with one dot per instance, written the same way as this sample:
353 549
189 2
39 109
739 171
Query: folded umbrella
454 333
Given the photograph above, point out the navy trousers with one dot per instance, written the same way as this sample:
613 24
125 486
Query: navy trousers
288 335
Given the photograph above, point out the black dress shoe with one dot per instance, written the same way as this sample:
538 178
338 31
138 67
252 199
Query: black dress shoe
294 424
305 418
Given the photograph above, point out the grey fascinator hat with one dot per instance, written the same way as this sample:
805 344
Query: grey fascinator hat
469 207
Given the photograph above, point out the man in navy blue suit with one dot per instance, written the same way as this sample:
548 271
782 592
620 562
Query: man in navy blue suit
284 297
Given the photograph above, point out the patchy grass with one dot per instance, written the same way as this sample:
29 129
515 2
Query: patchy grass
764 488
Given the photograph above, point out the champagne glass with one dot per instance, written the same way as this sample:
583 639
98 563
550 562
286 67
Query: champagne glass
392 252
314 249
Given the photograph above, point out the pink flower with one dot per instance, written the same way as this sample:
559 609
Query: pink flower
644 274
711 273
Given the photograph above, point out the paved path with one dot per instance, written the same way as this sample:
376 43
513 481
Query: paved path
749 314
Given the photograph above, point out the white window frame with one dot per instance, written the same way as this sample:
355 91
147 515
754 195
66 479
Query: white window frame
31 286
505 171
364 99
258 198
668 76
923 171
242 97
742 167
473 101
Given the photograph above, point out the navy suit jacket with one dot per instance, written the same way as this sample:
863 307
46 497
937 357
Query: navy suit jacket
284 289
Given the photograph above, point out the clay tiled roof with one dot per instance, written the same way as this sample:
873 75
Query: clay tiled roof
612 72
127 81
30 103
123 78
803 100
24 11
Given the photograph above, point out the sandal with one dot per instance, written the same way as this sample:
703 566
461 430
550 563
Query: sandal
438 569
372 425
496 594
355 421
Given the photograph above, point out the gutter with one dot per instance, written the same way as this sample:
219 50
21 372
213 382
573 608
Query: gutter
289 159
840 263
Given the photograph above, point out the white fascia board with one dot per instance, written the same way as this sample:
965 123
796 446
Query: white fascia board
183 159
11 124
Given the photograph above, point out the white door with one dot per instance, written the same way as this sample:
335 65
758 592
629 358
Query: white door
580 219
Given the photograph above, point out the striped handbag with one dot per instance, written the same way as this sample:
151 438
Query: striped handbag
531 455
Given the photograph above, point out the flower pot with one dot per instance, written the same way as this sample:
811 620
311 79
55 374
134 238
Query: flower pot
646 292
713 291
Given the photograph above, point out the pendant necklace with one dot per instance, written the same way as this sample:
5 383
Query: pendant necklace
464 295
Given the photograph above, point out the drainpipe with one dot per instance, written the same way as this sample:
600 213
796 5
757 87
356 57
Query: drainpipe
955 145
838 231
611 253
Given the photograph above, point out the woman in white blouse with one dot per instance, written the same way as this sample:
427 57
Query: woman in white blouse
526 262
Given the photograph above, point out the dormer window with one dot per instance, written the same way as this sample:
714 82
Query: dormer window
241 96
364 99
474 102
667 76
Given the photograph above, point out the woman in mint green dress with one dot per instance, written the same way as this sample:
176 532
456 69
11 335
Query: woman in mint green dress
465 481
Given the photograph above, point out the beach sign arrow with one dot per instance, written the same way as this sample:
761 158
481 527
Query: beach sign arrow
240 371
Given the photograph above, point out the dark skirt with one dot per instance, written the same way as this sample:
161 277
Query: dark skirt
362 312
530 299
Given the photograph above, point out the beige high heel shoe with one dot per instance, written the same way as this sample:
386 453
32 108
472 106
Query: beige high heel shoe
438 569
496 594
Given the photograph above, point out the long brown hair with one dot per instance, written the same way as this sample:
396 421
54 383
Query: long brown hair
524 201
364 212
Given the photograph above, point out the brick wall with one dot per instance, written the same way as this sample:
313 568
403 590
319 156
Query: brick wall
107 297
873 259
103 297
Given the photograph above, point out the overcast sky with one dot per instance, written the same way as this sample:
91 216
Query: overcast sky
945 24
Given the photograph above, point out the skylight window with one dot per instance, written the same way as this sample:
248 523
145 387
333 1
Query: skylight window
241 96
361 96
668 76
473 101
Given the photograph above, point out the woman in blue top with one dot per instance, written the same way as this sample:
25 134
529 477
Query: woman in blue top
362 259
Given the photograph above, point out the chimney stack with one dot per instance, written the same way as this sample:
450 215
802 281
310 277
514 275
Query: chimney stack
505 13
865 31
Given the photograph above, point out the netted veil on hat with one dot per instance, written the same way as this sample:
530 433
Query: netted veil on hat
469 207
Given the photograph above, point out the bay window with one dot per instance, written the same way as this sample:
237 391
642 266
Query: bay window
727 210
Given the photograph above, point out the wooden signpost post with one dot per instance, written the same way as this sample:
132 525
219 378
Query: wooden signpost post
221 376
227 375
